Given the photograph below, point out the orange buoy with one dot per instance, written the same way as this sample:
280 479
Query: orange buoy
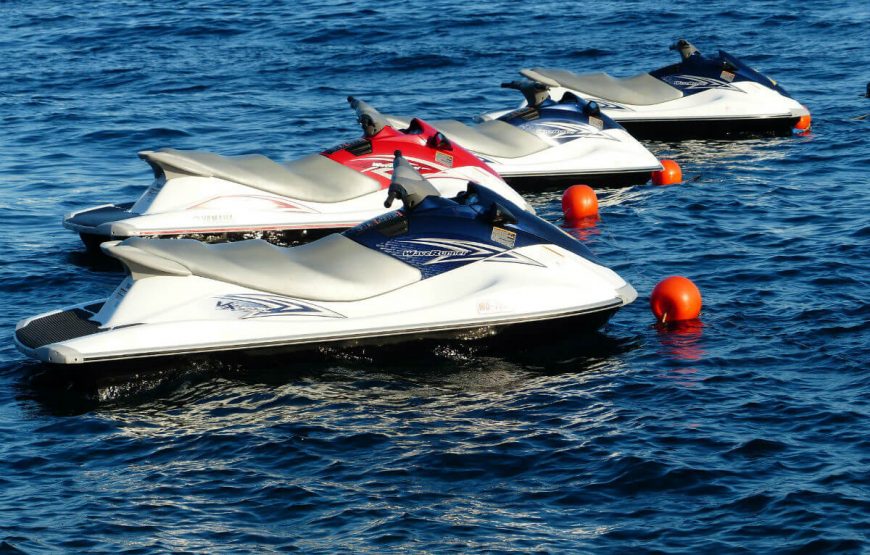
668 175
675 298
803 124
578 202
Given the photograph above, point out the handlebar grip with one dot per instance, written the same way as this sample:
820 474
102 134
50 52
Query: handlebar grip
391 196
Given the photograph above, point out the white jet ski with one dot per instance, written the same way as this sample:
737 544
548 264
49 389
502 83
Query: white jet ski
465 268
699 97
551 143
214 198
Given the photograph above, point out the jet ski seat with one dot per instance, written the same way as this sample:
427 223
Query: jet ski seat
493 138
313 178
640 90
334 268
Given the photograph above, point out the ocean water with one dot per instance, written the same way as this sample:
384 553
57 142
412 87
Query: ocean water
744 432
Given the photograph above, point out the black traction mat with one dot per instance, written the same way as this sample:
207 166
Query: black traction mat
59 326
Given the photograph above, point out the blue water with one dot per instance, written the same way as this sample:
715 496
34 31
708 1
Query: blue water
747 432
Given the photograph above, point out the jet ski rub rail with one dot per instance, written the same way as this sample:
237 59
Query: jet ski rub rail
301 179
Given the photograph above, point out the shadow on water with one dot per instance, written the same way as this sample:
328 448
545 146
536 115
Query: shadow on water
73 390
95 261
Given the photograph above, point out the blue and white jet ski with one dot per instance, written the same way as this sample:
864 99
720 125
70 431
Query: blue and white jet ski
463 267
549 143
699 97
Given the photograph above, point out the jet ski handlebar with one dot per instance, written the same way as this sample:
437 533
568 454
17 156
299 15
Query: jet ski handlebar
686 48
370 119
408 185
535 92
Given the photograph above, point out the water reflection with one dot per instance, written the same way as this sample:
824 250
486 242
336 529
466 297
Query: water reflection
398 372
680 343
681 340
702 151
583 229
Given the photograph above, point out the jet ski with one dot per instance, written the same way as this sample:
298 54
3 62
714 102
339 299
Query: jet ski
214 198
699 97
549 143
465 267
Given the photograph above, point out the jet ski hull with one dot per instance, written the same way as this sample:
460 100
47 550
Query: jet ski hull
42 337
94 227
677 129
536 182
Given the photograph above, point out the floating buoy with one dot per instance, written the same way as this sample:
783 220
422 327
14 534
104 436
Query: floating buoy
803 123
668 175
578 202
675 298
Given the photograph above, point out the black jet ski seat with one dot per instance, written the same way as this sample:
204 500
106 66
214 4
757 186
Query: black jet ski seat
334 268
314 178
640 90
490 138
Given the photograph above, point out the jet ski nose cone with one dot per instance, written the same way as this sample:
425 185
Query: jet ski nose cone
627 293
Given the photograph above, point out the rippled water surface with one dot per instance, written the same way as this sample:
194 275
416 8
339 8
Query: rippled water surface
745 432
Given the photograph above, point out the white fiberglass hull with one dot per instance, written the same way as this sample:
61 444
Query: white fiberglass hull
174 315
